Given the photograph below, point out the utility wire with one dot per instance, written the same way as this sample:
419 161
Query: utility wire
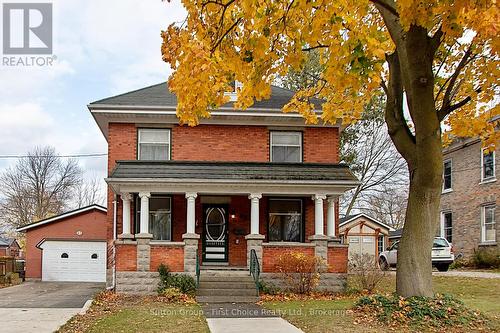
71 156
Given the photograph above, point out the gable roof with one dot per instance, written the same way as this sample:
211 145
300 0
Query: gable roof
6 241
349 218
62 216
159 95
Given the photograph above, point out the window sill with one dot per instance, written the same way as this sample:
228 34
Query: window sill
488 180
488 244
449 190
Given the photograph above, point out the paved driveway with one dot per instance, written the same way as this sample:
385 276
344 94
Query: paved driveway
42 307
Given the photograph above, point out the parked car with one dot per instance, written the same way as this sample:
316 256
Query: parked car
442 255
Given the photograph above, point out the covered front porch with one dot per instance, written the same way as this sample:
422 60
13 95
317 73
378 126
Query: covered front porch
214 214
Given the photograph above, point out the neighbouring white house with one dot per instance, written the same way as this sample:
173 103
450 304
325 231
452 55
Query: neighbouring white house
364 234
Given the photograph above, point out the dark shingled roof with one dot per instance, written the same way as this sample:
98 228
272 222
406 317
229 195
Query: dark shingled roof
396 233
158 95
6 241
233 170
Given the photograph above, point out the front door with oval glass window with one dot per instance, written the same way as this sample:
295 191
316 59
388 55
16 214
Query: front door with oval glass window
215 233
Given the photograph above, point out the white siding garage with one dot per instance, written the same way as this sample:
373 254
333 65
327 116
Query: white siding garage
82 261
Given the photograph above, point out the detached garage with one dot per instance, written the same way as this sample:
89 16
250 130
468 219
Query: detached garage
364 234
68 247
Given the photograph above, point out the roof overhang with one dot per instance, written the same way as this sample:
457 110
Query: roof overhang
105 114
236 187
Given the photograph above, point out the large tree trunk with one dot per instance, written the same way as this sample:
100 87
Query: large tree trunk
414 265
410 72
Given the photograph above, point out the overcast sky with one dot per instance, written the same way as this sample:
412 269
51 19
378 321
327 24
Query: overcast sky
103 48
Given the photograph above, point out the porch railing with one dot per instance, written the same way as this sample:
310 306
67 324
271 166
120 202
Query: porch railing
255 269
197 269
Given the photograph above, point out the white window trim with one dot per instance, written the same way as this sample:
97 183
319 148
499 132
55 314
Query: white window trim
483 224
441 224
271 144
448 190
169 143
233 95
492 178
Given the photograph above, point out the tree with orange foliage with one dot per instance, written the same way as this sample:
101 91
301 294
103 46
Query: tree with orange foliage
437 59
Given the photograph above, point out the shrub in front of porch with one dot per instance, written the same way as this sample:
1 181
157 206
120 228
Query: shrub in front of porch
435 312
364 272
185 284
301 272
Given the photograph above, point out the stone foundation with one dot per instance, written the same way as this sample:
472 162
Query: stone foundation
137 283
332 282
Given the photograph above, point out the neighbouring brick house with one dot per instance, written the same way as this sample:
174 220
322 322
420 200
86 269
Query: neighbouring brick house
9 247
469 197
257 179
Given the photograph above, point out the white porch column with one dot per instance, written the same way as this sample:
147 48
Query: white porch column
254 213
319 229
190 216
144 228
330 218
126 197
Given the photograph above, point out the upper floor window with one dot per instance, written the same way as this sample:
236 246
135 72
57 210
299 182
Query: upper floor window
447 226
447 175
487 165
286 147
488 226
233 93
154 144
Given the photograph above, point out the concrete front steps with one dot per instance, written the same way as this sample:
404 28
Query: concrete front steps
226 285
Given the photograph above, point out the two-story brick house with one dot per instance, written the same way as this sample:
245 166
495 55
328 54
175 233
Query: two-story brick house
242 180
469 197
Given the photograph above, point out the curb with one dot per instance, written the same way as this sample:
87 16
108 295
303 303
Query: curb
85 307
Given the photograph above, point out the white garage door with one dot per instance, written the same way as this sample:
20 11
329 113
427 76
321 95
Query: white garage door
74 261
361 245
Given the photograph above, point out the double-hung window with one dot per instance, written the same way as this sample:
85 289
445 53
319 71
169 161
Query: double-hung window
285 220
154 144
487 165
286 147
447 176
160 217
488 225
447 226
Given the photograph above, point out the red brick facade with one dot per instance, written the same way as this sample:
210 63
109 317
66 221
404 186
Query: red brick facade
215 143
126 257
337 259
171 256
90 225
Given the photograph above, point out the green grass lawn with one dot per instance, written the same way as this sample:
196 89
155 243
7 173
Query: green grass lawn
333 315
114 314
153 318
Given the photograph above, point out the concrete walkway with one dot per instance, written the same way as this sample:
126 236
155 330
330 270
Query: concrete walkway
251 325
244 318
35 320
